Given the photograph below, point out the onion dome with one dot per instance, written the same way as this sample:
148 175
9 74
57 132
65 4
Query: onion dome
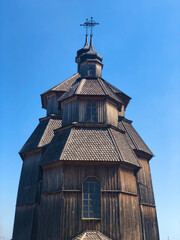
89 61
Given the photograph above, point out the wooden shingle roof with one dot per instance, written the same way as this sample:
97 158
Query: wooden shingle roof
43 134
94 87
90 87
102 144
133 137
91 235
60 88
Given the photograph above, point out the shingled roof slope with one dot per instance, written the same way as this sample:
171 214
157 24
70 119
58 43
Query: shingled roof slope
133 137
89 144
42 135
127 153
91 235
65 85
90 86
59 89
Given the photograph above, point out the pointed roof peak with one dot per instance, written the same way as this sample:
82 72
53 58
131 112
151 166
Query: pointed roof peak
91 42
86 45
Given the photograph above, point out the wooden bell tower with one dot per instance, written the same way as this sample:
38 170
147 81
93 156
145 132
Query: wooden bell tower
85 171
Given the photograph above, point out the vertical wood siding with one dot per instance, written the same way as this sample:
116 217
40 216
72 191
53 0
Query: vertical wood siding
130 224
61 203
112 114
70 112
150 225
29 186
100 110
147 203
144 183
23 223
50 217
52 105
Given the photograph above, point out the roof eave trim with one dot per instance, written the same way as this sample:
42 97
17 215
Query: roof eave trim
143 154
34 150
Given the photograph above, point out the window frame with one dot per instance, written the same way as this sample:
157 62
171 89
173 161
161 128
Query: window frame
86 112
89 218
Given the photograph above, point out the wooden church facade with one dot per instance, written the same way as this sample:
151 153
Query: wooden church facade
85 171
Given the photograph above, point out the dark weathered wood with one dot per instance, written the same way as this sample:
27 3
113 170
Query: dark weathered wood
24 219
150 225
84 140
112 113
118 192
31 174
52 104
144 183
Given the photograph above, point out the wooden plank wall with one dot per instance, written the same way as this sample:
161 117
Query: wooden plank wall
100 105
29 184
150 225
145 183
61 203
147 203
70 112
52 105
112 113
26 217
75 111
23 223
50 217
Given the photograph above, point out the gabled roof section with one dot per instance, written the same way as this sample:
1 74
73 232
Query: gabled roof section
60 88
42 135
100 144
91 235
90 87
135 141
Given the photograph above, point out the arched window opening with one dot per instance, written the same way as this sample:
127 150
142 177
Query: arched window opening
91 112
91 198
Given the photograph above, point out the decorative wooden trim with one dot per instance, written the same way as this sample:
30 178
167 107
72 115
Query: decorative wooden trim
91 219
147 204
102 191
119 191
60 191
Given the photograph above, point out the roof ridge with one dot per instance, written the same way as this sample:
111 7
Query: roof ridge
142 140
83 236
126 141
130 136
66 144
45 131
98 233
80 86
73 88
102 86
115 144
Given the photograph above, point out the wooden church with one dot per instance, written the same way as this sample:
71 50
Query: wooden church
85 172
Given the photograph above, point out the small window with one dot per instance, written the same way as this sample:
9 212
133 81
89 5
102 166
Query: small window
91 113
91 198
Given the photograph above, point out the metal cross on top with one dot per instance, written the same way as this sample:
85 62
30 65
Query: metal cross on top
86 25
89 23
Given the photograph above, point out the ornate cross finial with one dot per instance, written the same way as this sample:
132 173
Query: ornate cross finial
86 25
89 23
92 23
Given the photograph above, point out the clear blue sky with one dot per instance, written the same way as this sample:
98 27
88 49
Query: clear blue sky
140 44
